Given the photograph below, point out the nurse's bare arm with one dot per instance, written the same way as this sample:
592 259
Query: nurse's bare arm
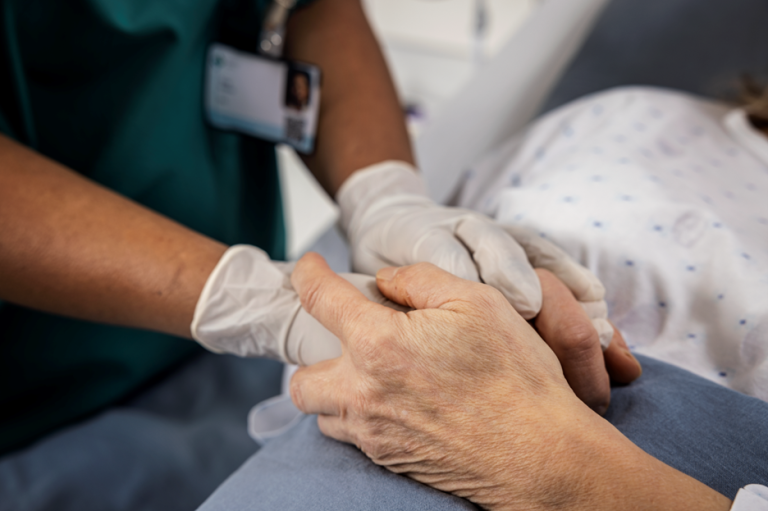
361 122
71 247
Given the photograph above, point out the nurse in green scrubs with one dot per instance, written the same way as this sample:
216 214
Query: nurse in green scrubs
118 200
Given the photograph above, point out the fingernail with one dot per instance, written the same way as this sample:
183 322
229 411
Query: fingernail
386 274
601 410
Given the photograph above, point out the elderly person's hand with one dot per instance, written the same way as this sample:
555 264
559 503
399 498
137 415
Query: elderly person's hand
563 324
463 395
569 332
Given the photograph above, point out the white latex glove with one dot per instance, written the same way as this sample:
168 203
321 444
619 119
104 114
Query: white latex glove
249 308
309 342
586 288
390 221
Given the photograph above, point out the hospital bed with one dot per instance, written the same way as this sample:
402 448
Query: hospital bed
171 445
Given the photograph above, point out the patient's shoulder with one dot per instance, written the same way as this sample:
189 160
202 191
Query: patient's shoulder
636 101
639 96
639 93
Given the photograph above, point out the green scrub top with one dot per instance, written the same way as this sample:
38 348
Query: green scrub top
113 89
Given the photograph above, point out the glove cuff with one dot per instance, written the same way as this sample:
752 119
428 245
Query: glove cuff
246 306
375 182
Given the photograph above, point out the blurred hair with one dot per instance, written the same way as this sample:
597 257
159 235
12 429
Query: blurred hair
754 99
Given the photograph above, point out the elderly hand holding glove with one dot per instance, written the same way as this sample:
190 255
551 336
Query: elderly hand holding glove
461 394
390 221
249 307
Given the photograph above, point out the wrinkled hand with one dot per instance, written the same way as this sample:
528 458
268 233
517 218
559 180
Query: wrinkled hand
463 395
563 324
390 221
409 385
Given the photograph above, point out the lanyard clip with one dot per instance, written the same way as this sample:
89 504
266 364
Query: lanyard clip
272 34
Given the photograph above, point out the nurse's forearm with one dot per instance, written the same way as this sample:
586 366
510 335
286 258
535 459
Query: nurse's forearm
71 247
361 122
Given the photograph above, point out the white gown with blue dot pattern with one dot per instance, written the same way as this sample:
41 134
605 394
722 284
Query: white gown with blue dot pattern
665 197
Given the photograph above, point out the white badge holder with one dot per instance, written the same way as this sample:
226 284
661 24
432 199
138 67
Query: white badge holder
271 99
262 95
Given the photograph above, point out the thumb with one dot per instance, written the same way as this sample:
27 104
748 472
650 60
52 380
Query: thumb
329 298
424 286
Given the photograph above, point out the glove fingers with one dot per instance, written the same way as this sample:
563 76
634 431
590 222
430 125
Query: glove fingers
595 309
604 331
598 313
502 264
368 263
584 285
309 342
441 248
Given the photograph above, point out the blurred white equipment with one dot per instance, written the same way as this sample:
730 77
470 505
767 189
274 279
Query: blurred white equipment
504 94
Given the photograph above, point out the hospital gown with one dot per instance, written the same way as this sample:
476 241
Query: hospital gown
665 197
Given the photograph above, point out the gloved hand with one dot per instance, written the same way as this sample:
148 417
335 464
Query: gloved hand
309 342
389 220
586 288
249 308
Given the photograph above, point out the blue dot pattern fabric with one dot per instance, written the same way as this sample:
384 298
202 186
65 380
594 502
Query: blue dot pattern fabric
663 196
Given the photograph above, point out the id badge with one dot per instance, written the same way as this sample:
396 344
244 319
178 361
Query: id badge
272 99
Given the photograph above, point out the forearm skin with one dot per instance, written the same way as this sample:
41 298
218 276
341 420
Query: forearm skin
72 247
361 121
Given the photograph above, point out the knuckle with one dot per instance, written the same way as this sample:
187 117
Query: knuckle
365 403
578 339
407 273
310 295
599 400
369 445
486 298
371 353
